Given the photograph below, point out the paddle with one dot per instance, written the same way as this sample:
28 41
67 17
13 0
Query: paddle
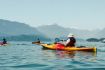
58 40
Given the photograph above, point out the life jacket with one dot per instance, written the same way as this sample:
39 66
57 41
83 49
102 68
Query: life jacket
59 46
72 41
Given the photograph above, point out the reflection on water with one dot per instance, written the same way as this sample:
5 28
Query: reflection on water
68 54
65 54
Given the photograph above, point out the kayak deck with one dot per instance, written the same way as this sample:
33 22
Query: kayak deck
53 47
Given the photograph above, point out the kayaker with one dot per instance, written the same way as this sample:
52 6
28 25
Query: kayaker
4 41
71 40
38 40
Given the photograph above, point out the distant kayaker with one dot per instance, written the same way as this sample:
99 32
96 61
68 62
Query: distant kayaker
4 41
71 40
38 40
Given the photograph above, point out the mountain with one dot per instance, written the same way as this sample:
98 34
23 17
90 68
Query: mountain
52 31
56 30
14 30
84 34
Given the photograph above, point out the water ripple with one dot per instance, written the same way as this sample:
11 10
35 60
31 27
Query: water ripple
29 66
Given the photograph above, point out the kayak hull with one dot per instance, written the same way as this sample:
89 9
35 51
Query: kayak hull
53 47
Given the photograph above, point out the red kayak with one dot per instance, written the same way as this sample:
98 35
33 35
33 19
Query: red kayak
1 44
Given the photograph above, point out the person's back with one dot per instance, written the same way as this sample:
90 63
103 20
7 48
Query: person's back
71 41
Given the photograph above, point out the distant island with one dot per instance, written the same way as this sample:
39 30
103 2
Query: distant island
96 40
93 40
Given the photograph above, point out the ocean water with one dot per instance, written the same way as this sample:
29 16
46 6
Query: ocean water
27 56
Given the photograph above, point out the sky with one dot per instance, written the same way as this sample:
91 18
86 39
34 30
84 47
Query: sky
81 14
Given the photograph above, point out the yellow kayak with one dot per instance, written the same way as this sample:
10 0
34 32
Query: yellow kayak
60 47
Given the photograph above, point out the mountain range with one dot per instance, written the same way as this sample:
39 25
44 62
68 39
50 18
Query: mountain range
14 28
55 30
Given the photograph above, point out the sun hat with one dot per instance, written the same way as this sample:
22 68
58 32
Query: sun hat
70 35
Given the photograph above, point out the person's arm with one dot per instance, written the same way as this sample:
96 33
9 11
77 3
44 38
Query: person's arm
68 40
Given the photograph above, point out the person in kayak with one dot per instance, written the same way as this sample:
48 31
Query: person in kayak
4 41
70 41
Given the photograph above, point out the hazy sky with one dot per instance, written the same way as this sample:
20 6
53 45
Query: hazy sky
83 14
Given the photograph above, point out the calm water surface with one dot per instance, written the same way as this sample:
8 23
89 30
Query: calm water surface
26 56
